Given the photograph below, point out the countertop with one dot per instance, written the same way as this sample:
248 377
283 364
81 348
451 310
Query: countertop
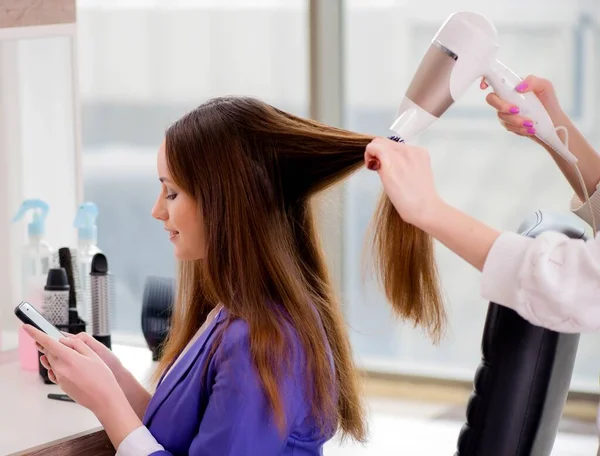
29 419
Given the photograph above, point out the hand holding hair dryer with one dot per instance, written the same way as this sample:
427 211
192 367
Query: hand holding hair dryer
463 50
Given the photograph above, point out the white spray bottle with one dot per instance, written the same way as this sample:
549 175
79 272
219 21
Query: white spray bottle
87 232
37 257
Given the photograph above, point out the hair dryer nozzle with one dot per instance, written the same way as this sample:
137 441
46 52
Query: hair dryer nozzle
412 120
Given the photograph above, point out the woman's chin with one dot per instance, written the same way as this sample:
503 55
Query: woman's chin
185 255
180 253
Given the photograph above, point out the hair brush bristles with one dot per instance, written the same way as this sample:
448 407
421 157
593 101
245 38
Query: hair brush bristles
396 138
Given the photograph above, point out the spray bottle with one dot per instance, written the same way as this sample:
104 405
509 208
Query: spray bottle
37 257
87 232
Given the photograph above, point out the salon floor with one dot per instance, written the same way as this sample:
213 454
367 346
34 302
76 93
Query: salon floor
409 427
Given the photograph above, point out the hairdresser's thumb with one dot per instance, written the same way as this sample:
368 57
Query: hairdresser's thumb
543 89
534 84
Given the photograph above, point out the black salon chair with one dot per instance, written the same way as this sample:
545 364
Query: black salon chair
521 385
157 311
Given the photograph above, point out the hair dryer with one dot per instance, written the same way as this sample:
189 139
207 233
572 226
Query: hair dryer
463 50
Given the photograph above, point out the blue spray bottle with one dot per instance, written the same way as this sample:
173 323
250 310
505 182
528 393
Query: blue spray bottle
37 257
87 233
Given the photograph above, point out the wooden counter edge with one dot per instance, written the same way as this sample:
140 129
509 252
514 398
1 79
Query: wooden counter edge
94 442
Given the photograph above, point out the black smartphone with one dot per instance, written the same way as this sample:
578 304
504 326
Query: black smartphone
30 315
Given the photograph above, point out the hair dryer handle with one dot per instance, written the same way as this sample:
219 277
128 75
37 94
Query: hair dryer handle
504 81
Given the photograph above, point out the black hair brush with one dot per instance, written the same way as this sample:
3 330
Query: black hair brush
68 260
396 138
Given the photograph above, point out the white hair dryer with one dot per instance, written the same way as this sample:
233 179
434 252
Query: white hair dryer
463 50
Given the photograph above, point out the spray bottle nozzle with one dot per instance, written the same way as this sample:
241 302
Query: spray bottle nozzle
85 221
37 226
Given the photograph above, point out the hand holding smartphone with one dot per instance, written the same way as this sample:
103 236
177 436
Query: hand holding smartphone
30 315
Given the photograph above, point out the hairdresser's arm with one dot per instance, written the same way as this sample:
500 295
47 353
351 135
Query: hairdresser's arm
461 233
588 158
408 180
551 281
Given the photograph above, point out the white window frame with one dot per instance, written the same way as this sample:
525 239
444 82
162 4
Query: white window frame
11 167
326 104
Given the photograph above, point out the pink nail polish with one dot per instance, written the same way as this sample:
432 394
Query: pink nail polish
531 131
514 110
521 86
528 123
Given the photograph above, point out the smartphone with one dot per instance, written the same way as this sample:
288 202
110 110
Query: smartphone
29 315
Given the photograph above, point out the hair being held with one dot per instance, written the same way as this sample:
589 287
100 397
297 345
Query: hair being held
405 265
253 170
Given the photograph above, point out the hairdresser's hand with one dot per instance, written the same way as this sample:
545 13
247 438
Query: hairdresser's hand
407 178
588 158
78 370
508 114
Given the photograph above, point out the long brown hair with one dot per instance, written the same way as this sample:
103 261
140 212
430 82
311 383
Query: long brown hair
253 170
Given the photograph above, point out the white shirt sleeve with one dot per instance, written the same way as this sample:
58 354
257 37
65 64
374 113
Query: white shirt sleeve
139 442
584 210
551 281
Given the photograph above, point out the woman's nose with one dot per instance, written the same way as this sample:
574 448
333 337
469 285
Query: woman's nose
158 210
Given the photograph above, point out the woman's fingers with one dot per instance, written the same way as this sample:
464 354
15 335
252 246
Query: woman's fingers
51 375
516 131
79 346
44 362
52 359
501 105
524 125
45 341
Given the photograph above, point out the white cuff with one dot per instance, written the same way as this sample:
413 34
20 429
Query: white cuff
584 210
139 442
501 271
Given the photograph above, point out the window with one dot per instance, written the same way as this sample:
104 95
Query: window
177 54
495 176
